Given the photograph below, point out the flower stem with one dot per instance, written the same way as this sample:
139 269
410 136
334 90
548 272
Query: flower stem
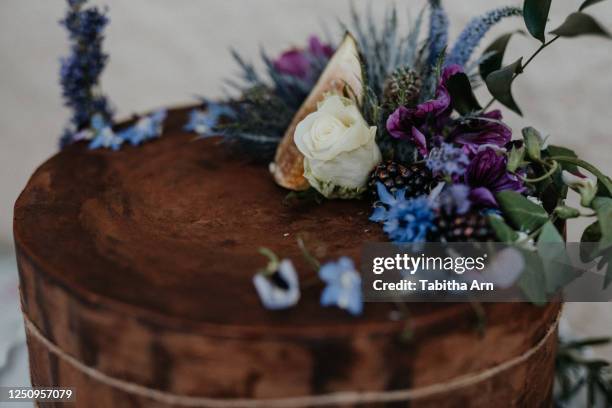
524 65
549 173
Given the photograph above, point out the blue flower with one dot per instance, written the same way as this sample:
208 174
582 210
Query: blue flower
204 121
103 135
474 32
343 286
404 220
280 289
148 127
447 160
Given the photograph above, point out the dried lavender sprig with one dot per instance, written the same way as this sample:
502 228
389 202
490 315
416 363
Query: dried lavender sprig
80 71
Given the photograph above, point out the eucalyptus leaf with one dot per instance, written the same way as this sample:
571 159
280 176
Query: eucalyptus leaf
535 14
463 99
496 50
499 84
555 261
503 232
523 214
532 281
577 24
588 3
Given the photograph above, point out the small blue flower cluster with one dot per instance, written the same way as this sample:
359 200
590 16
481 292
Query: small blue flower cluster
146 128
80 71
343 286
438 31
474 32
204 121
447 160
404 220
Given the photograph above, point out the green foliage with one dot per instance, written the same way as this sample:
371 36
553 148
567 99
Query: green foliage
535 14
499 84
577 24
588 3
503 232
522 213
463 99
575 372
495 51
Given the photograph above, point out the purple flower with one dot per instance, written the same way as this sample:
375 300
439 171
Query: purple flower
487 175
412 123
487 129
454 199
299 62
447 160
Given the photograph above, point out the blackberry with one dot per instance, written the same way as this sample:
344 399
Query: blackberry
416 179
402 87
469 227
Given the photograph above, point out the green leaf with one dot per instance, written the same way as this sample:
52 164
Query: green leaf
503 232
577 24
533 143
603 208
462 96
588 3
535 14
532 281
556 263
608 278
590 237
499 84
515 158
498 48
523 214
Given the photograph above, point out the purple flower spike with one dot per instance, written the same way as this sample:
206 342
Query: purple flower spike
485 130
487 175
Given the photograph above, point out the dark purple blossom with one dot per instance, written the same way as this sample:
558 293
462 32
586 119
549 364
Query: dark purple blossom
487 175
413 123
299 62
487 129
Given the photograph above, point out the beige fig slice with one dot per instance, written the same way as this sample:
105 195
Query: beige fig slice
343 71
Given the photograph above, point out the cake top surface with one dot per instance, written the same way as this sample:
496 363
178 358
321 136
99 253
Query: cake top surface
174 227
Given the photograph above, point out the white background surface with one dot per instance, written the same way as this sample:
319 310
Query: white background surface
163 52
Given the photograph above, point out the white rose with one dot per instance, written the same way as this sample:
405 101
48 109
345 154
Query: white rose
339 148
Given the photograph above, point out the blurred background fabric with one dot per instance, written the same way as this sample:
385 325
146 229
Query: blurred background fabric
167 52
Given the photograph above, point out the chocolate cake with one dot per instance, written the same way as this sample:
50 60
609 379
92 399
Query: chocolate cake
136 288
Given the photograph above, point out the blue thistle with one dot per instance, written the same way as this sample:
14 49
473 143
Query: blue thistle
438 31
404 220
80 71
474 32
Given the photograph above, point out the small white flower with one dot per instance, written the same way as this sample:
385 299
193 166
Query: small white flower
339 148
280 290
586 187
